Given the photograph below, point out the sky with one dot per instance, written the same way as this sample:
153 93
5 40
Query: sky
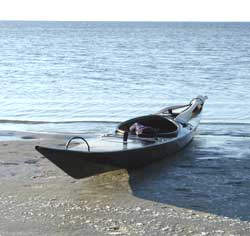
126 10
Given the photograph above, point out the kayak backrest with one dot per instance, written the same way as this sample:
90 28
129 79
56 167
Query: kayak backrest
164 127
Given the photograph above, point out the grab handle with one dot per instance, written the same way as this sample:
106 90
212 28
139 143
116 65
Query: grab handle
77 137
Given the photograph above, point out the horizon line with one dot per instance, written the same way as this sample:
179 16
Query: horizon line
127 21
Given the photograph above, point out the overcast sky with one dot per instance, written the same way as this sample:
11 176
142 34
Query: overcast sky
126 10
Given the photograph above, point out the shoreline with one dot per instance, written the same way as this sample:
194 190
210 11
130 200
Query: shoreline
182 195
214 128
10 135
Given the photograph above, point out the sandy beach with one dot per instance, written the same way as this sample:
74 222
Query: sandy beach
183 195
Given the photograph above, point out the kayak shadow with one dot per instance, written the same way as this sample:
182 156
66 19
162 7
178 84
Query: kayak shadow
188 180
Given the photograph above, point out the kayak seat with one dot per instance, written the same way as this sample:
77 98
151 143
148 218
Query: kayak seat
163 127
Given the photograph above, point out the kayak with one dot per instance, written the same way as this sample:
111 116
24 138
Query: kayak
135 142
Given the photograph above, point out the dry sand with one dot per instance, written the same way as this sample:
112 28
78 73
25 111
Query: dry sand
180 196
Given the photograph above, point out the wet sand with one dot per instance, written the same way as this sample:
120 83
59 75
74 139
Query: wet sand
203 190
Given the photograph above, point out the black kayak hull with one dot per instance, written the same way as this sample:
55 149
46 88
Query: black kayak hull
81 164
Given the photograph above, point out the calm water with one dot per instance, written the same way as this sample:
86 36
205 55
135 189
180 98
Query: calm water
64 76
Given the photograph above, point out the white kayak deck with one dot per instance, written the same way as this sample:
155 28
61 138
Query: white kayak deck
111 143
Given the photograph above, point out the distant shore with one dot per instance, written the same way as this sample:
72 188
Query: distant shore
179 196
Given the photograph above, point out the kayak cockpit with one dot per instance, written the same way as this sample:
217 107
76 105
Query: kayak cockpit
157 126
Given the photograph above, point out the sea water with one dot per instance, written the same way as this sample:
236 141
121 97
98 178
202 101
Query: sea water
87 76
